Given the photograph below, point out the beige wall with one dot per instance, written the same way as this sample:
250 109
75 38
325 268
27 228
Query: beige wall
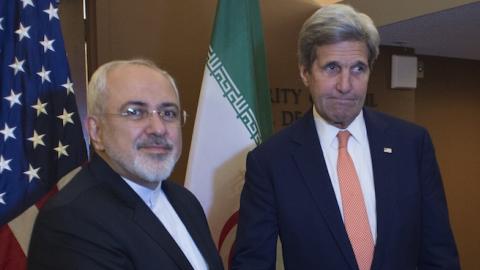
176 34
386 12
447 102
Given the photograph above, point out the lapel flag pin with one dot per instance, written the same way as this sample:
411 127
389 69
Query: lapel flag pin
387 150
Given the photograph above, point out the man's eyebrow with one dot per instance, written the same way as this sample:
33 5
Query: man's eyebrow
360 62
134 103
143 104
169 104
333 62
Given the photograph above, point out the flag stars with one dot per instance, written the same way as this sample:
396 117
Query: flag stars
52 12
17 66
13 98
22 32
47 44
2 201
61 149
7 132
36 139
32 173
44 74
40 107
69 86
66 117
4 164
27 3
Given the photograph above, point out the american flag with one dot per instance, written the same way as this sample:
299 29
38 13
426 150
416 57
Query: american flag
41 138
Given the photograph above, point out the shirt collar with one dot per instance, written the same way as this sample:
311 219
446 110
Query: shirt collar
328 133
149 196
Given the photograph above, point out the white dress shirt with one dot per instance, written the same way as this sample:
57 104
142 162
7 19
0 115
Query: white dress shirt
359 150
157 201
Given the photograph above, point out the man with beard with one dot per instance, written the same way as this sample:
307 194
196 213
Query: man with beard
344 187
119 211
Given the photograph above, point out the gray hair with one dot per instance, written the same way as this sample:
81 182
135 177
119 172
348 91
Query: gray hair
333 24
97 87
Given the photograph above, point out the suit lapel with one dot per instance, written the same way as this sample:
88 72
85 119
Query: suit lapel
382 152
147 220
187 214
138 212
311 164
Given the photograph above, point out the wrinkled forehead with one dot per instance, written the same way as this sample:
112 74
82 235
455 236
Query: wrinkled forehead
139 83
352 51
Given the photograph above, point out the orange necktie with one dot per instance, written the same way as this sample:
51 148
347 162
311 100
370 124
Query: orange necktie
355 215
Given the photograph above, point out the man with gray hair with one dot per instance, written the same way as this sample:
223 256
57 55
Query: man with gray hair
344 187
120 211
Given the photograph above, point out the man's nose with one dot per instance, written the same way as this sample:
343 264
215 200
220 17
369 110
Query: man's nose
156 124
344 82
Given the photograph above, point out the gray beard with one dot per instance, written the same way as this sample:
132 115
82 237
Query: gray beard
153 168
150 168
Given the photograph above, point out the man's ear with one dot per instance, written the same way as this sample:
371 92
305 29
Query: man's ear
304 74
95 133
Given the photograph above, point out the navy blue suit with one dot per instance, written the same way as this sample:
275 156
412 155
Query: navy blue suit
288 192
98 222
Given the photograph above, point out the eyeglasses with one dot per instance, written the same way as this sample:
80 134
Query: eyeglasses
167 115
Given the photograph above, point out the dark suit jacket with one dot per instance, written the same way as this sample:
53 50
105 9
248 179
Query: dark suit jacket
288 192
98 222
